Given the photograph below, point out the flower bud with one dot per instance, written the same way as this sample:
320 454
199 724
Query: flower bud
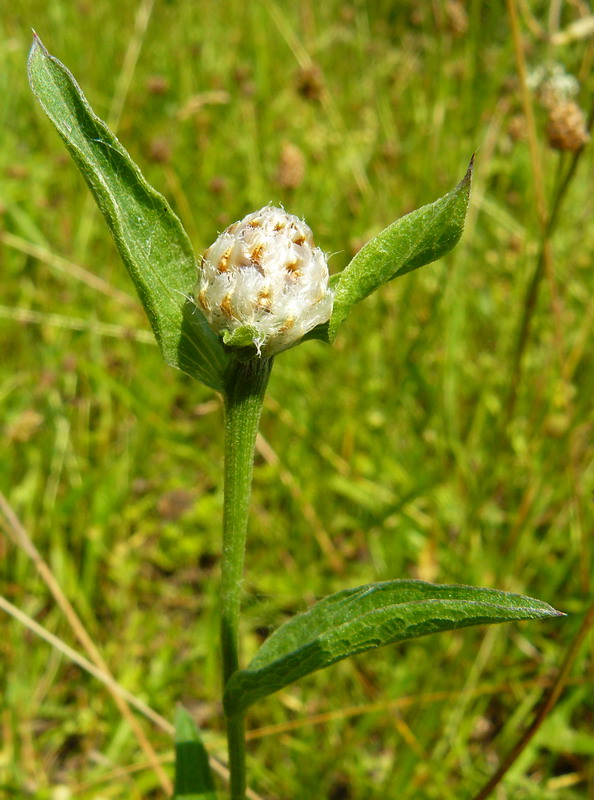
264 282
566 127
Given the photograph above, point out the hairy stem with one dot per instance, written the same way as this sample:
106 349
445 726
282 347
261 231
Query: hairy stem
243 404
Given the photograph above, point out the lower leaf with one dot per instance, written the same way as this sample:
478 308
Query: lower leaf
370 616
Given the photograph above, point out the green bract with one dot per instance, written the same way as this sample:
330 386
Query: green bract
149 236
411 242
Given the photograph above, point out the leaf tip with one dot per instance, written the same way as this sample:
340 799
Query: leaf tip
467 179
36 40
36 45
545 611
185 729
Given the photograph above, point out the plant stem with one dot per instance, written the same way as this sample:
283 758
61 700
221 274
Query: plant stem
243 404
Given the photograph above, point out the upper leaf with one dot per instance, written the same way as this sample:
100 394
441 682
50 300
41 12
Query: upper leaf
149 236
364 618
193 778
416 239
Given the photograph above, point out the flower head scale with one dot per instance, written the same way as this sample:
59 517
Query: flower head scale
264 282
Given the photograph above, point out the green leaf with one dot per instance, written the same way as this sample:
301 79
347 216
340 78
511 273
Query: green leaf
364 618
193 778
418 238
150 238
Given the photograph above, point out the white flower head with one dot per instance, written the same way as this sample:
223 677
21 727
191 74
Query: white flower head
552 84
264 282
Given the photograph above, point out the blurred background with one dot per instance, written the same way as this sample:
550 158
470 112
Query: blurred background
447 435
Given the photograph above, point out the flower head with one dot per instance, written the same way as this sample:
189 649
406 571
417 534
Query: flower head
553 85
264 282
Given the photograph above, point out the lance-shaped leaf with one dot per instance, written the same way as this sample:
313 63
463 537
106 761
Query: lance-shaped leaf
193 778
364 618
412 241
149 236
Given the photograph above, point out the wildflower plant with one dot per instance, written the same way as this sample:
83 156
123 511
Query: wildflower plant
261 288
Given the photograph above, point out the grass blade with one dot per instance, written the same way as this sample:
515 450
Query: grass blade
193 778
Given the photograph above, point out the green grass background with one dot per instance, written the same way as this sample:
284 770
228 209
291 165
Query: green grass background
388 455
